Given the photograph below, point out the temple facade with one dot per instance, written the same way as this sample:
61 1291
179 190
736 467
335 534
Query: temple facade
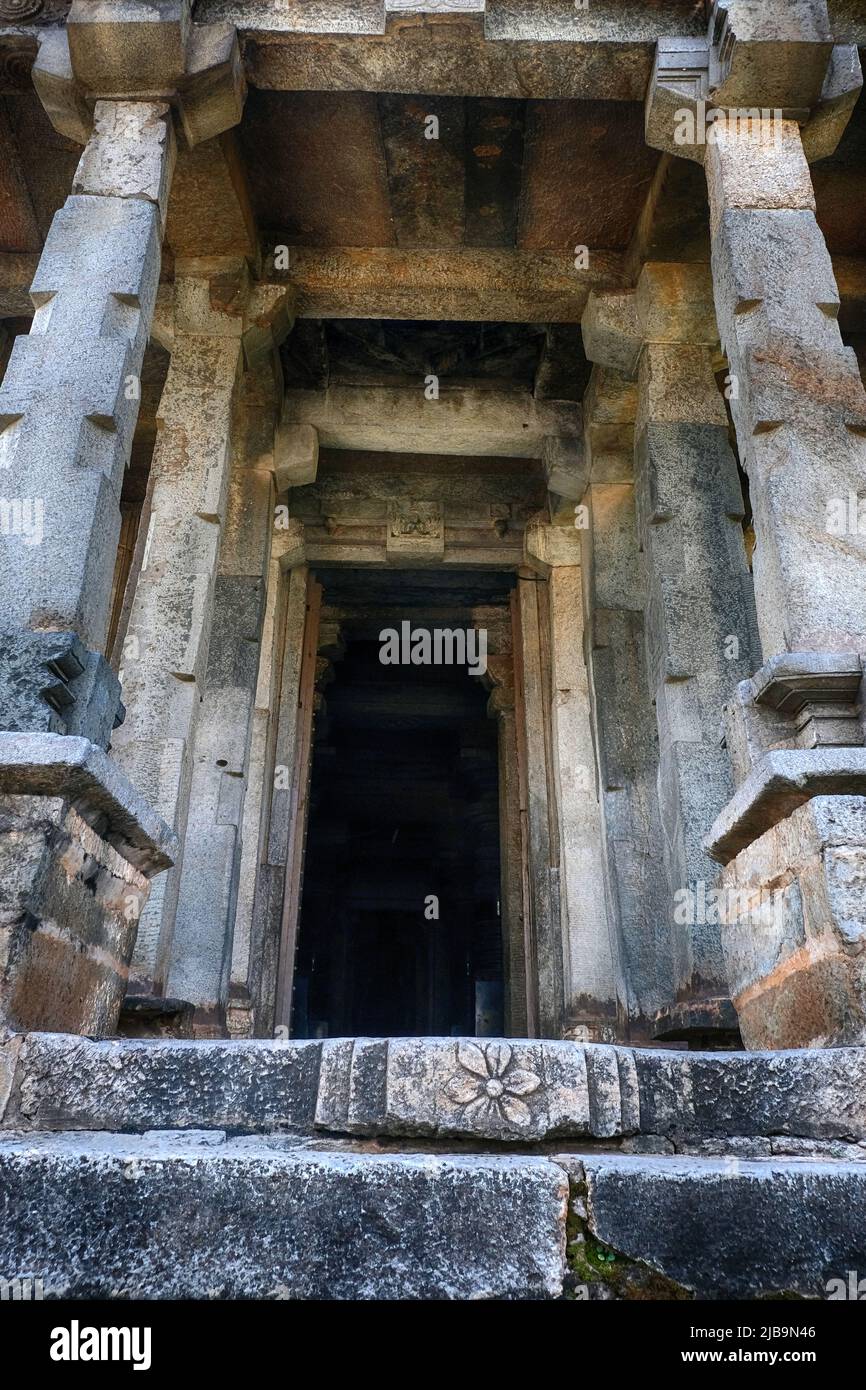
432 625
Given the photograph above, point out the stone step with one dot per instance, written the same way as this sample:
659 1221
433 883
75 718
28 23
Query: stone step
202 1215
516 1092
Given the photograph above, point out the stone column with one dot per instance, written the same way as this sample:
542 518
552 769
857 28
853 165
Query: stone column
591 967
68 407
793 836
165 653
78 846
699 621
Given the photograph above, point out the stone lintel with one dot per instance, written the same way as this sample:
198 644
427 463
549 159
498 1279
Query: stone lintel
783 780
54 765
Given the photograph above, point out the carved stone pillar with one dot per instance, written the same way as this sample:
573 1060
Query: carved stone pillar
699 621
793 836
68 407
69 905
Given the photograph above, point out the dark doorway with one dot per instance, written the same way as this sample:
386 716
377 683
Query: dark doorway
399 930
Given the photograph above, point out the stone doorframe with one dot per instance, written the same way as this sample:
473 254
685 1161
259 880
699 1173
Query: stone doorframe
543 943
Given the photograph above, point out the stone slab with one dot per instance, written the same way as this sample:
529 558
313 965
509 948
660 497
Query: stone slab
728 1228
162 1216
73 768
783 780
435 1088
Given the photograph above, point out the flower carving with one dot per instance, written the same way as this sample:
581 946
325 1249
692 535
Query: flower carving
488 1086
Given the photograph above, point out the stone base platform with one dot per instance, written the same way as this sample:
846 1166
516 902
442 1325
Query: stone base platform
206 1216
428 1168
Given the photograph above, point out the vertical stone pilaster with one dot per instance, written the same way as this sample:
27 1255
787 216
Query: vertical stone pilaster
614 598
165 652
225 758
68 408
698 618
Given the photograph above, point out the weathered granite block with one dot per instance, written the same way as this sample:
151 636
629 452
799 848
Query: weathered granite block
269 1219
77 850
724 1228
795 901
68 910
75 1083
50 683
432 1087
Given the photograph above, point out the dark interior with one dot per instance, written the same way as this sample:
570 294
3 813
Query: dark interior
399 928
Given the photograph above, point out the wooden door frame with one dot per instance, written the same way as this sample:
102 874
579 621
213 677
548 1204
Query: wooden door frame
299 787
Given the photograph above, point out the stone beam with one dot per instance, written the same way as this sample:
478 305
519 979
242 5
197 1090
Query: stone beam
498 50
498 423
465 283
462 283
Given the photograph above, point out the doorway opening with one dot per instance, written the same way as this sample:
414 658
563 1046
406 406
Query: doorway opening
400 929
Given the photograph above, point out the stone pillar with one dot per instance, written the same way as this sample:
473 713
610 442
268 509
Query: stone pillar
165 653
614 599
200 962
793 836
78 845
591 965
795 951
699 620
68 407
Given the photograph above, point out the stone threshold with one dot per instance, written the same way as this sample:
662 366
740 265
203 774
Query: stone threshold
502 1091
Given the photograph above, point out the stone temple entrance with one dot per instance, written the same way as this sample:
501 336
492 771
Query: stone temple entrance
400 927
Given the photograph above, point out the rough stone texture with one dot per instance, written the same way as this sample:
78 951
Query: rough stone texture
130 154
69 905
199 961
78 847
699 623
776 786
53 765
166 648
273 1220
506 424
593 970
615 595
724 1229
50 683
800 407
122 47
794 938
296 456
436 1087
